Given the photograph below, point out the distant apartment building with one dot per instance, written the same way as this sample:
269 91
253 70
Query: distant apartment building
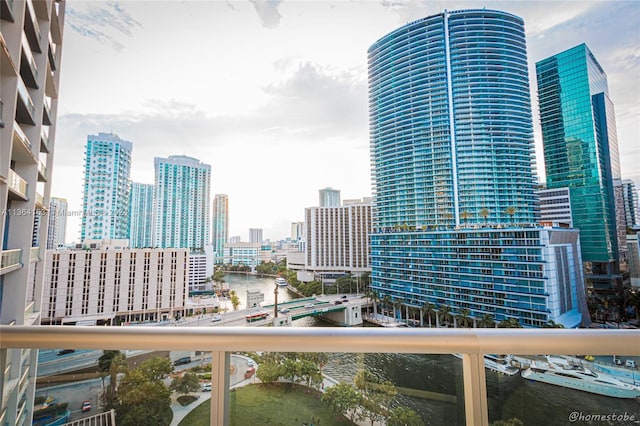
200 267
555 206
57 222
329 197
297 231
181 205
337 239
246 254
31 35
105 205
631 204
108 283
255 235
220 225
140 214
235 239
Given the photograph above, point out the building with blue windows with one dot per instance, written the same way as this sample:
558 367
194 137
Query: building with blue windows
181 205
452 152
105 205
220 225
140 215
581 153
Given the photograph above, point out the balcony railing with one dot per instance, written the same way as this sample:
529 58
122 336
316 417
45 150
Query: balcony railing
17 185
42 172
10 260
26 110
34 254
471 343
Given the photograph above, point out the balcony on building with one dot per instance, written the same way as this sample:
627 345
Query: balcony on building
32 28
6 13
40 202
50 87
22 147
1 114
28 68
10 260
56 30
25 109
46 111
17 186
44 139
41 9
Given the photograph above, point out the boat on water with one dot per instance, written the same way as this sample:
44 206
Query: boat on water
281 282
559 371
498 363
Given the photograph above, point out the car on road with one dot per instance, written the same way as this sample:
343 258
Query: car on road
337 302
182 361
249 373
206 387
250 363
309 305
86 406
66 351
344 296
630 363
216 318
284 310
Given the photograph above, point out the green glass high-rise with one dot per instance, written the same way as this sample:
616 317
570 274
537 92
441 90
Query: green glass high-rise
581 148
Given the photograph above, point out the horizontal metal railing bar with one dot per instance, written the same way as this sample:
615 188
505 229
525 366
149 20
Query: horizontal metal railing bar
357 340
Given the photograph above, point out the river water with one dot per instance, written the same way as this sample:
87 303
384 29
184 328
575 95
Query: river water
533 403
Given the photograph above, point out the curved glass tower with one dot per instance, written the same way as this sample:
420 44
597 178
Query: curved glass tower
450 122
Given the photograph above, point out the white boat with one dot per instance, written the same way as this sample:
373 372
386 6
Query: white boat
281 282
560 372
498 363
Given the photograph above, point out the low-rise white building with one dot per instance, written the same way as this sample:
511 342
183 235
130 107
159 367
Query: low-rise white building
247 254
109 283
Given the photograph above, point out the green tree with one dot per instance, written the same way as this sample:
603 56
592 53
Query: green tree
402 416
465 215
269 371
186 384
552 324
235 300
143 400
156 369
484 212
377 394
445 314
509 323
343 399
487 321
429 309
464 317
510 211
218 276
113 362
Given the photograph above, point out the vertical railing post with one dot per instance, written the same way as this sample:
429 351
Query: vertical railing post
475 390
220 370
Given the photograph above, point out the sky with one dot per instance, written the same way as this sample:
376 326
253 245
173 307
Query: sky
273 93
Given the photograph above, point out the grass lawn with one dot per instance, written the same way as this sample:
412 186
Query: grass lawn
277 404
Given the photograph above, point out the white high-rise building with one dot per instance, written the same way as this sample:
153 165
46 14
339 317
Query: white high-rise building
555 206
297 231
337 238
30 63
329 197
181 205
255 235
112 284
220 225
140 214
105 202
57 222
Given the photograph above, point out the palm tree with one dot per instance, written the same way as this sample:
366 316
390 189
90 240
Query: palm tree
509 323
397 305
464 317
552 324
487 321
429 308
511 211
484 212
465 215
387 302
444 312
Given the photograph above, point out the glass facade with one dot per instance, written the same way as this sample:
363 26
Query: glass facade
140 209
580 145
450 122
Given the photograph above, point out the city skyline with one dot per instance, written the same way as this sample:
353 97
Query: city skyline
299 98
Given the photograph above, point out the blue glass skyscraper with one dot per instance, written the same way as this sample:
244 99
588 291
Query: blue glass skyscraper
450 122
452 152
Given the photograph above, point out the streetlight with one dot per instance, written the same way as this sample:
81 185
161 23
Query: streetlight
275 306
